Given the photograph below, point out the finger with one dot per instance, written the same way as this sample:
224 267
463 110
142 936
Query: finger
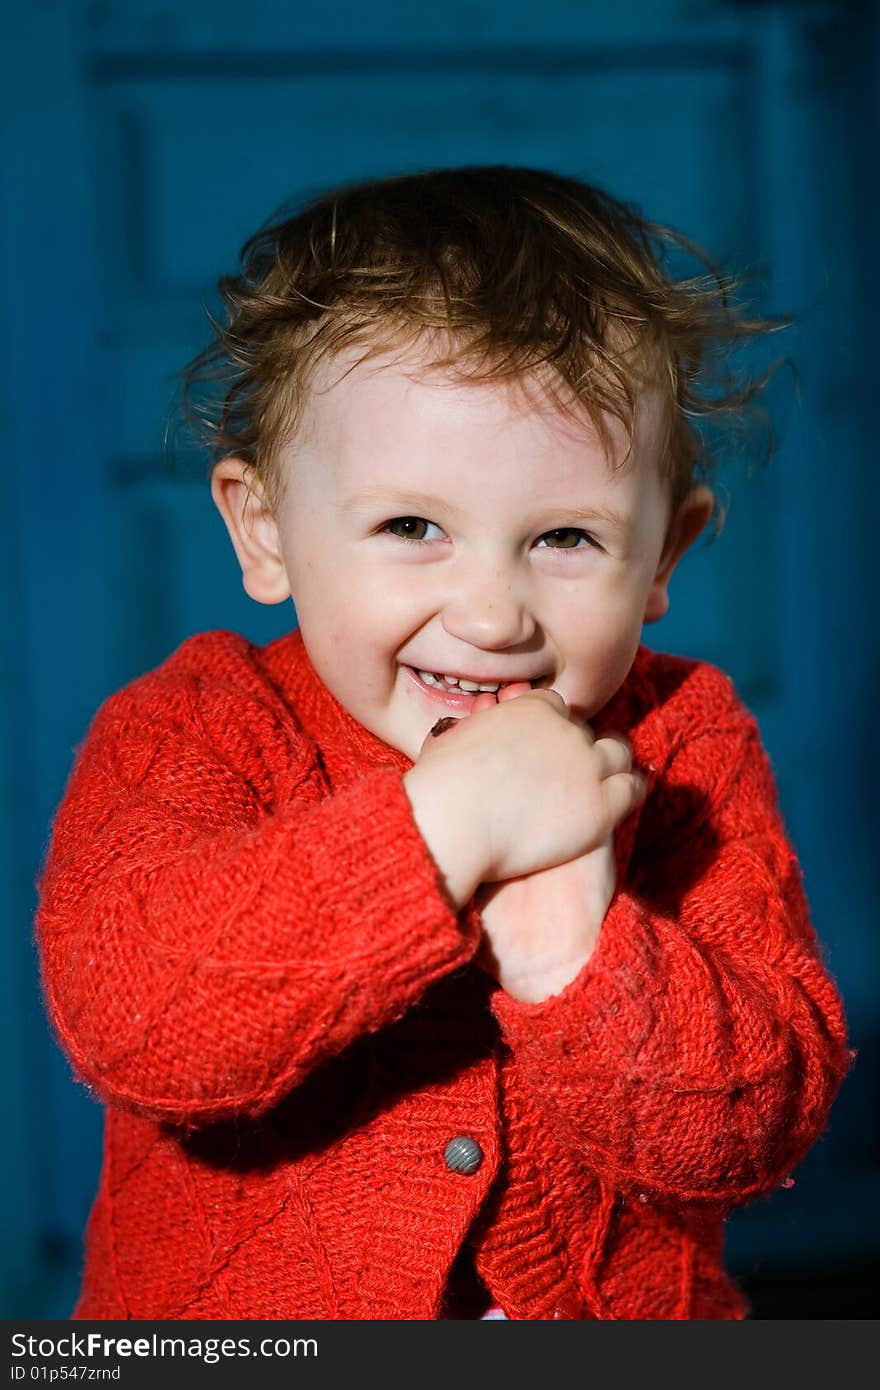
551 697
483 701
623 791
614 753
510 692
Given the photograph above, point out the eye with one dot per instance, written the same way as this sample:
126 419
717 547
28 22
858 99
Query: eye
409 522
570 531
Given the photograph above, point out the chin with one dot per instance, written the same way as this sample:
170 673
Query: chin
402 742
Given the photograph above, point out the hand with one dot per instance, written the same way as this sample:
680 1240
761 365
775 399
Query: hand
508 791
539 930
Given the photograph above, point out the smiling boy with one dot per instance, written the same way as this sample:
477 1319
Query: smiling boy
537 569
409 1001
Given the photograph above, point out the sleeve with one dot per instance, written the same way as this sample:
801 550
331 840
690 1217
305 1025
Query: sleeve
696 1055
213 924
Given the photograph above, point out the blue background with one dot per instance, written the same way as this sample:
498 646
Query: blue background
142 144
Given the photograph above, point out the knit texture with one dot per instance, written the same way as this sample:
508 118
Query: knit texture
249 957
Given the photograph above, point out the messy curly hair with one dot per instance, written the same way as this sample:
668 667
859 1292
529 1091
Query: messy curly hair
520 270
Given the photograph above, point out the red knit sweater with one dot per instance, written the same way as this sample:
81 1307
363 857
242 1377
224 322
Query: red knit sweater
247 954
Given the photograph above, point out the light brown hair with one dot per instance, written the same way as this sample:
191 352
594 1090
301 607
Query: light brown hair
521 269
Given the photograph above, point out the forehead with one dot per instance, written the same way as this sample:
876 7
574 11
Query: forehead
394 393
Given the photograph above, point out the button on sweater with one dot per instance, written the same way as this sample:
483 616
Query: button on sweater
248 955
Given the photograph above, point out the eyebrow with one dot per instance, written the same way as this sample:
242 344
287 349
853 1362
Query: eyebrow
360 501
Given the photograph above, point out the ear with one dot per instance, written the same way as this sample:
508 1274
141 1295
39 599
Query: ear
240 499
683 530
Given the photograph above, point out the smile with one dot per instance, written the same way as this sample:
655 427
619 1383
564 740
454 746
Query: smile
460 697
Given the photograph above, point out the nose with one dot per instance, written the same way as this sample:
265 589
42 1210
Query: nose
484 609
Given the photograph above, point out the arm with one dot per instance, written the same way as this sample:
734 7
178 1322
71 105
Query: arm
212 924
695 1056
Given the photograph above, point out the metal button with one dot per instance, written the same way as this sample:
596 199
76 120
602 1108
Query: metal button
568 1306
463 1155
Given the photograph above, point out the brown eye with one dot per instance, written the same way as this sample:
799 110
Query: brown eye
408 523
569 531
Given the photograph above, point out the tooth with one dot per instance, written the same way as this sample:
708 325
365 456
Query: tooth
442 682
431 678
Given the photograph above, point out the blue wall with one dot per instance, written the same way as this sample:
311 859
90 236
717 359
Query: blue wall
145 145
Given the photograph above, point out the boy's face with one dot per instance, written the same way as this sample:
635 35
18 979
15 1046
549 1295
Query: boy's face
511 573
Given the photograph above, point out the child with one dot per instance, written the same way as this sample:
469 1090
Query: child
416 999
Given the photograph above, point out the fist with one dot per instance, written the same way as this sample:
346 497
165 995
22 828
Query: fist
540 930
531 786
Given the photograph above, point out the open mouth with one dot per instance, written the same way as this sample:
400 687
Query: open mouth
461 697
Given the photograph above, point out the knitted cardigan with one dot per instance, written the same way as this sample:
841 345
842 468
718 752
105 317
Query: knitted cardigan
249 956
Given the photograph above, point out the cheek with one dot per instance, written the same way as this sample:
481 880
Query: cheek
581 614
389 606
330 590
353 629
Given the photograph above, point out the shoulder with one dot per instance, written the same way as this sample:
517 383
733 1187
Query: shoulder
691 697
207 669
211 695
711 765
